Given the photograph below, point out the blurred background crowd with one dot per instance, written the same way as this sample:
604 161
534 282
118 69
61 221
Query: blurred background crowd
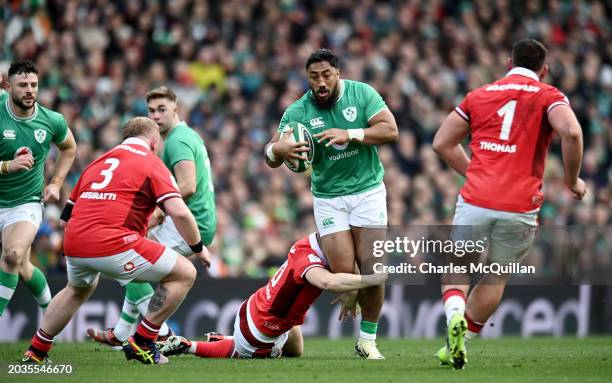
237 64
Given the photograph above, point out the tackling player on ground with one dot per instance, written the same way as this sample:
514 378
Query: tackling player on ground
27 131
185 155
348 119
268 322
511 122
107 216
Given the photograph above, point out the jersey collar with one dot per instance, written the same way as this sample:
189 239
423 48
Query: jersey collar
136 141
180 123
314 244
21 119
523 72
341 90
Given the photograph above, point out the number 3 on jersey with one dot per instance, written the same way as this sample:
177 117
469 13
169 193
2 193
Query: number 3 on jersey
507 112
107 173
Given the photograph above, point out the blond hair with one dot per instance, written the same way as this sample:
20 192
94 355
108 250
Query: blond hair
140 126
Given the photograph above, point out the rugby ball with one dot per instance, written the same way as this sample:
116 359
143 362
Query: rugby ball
299 133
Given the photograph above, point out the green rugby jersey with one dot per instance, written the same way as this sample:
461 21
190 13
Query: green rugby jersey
33 134
184 143
346 169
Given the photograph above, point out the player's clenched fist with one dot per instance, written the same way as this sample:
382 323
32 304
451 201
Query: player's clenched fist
51 193
204 257
578 189
22 162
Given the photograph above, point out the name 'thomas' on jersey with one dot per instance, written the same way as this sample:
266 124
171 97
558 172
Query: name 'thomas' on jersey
113 201
510 135
354 167
284 301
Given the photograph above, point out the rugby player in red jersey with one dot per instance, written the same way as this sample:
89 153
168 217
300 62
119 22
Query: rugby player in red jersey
511 122
107 216
268 322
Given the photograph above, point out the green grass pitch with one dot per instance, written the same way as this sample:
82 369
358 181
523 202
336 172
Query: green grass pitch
504 360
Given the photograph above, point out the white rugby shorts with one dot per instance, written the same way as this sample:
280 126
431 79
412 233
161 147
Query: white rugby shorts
249 342
27 212
167 234
123 267
367 209
509 235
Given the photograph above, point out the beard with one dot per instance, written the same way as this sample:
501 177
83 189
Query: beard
329 101
21 104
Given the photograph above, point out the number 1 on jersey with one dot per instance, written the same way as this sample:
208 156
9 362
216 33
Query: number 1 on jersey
507 112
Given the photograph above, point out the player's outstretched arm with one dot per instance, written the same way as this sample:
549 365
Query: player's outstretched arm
447 143
62 166
342 282
563 121
276 150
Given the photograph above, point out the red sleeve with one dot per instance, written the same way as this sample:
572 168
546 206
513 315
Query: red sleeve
163 184
303 260
463 110
553 98
74 194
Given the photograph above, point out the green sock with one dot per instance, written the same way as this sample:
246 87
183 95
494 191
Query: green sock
368 330
39 288
8 284
136 292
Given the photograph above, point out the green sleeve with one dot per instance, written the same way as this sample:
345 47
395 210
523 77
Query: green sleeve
373 102
61 129
292 113
179 150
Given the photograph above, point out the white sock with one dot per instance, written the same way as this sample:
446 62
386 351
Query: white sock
469 335
164 330
193 348
143 307
454 305
366 336
44 298
127 321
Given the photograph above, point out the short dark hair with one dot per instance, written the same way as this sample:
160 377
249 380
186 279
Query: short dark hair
139 126
529 53
22 66
161 92
324 55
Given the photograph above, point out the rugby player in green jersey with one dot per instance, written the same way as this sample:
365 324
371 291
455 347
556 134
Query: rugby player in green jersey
186 157
347 119
27 131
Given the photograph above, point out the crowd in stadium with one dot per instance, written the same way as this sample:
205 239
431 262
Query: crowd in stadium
236 65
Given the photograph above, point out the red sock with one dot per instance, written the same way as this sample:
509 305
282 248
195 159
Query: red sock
473 326
41 343
146 331
451 293
221 349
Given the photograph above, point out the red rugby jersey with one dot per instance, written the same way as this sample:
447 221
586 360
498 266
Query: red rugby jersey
284 301
510 135
114 199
